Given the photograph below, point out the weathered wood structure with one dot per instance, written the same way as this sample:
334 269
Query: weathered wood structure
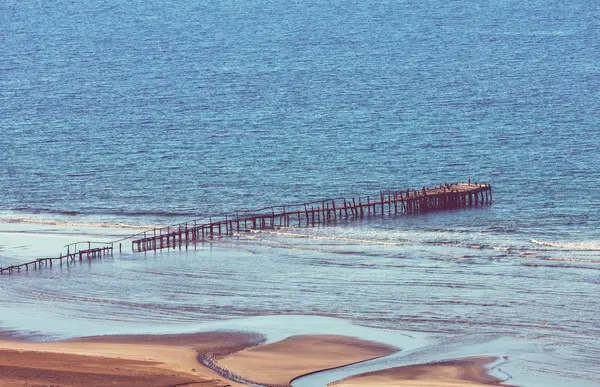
314 214
324 212
69 257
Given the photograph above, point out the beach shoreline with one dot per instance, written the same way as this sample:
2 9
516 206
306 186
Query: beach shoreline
180 359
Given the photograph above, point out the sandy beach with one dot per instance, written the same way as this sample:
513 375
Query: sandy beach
277 364
456 373
174 360
120 360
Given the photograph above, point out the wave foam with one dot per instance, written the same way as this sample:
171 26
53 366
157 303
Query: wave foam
328 238
49 222
580 246
578 260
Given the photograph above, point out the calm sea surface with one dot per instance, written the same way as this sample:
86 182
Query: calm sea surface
115 117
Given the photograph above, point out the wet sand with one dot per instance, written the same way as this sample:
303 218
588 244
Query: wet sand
29 368
456 373
168 360
277 364
127 361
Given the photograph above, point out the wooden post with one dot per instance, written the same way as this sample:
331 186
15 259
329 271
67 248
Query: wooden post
272 217
306 211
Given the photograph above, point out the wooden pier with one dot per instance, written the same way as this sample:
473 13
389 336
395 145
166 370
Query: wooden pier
324 212
314 214
69 257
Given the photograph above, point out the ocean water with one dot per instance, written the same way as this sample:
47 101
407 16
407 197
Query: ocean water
117 117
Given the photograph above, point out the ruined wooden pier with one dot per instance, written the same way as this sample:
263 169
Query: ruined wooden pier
69 257
314 214
324 212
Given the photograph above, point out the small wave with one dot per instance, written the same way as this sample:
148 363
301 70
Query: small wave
165 214
491 229
582 246
528 254
449 230
332 238
286 232
48 222
578 260
38 210
443 243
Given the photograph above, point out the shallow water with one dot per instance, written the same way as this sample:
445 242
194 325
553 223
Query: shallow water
119 117
471 293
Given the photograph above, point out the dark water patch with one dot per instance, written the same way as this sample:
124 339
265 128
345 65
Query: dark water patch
443 243
562 266
115 212
34 210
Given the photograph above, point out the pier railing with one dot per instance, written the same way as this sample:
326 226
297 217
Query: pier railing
322 212
71 256
311 214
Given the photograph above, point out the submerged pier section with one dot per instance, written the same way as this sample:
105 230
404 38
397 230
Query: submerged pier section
325 212
89 253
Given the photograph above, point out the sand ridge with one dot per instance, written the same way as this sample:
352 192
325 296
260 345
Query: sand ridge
470 372
277 364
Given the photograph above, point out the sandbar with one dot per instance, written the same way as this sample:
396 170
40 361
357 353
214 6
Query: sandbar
277 364
122 361
470 372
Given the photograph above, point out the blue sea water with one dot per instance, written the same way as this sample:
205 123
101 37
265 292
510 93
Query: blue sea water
126 115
